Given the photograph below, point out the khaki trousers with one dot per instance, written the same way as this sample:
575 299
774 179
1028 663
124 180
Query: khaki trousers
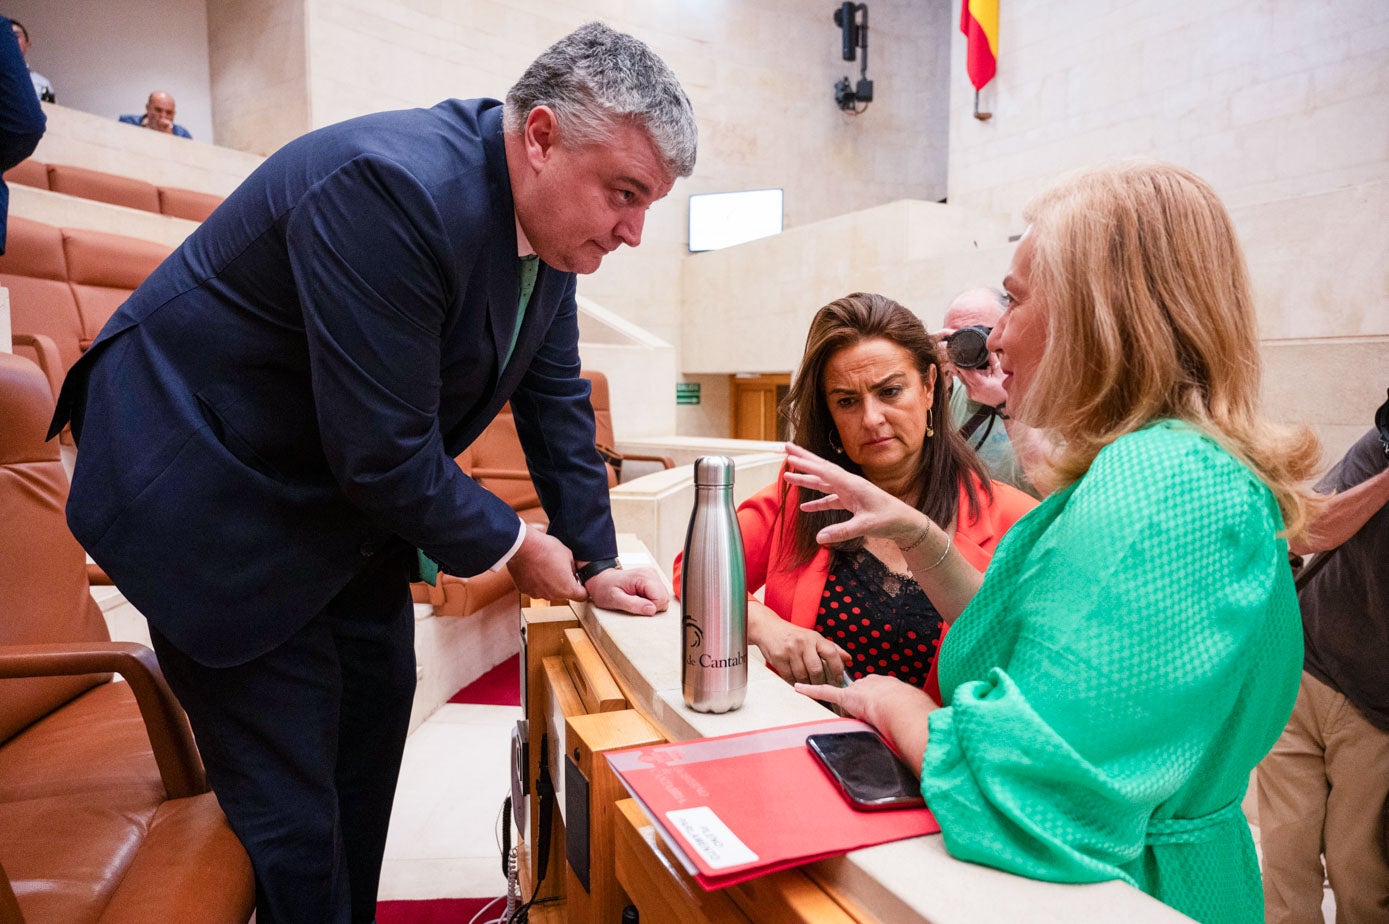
1322 793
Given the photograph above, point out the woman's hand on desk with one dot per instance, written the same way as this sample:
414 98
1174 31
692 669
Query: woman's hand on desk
797 654
639 591
898 710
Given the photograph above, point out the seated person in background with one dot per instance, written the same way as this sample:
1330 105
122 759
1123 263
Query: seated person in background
1007 447
1320 785
1135 646
159 115
42 87
22 121
871 394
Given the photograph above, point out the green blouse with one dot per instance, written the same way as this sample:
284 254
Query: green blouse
1134 651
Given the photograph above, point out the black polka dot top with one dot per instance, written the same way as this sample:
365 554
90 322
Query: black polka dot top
883 619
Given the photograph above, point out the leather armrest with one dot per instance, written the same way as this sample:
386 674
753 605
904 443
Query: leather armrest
9 905
180 767
666 461
612 456
49 359
479 473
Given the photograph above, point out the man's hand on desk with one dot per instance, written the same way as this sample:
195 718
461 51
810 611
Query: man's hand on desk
639 591
544 567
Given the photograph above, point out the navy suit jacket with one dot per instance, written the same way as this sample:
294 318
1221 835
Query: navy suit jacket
21 117
284 396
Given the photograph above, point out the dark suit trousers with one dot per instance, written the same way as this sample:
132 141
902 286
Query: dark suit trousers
303 744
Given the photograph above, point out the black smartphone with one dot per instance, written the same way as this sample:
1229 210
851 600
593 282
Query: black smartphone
867 770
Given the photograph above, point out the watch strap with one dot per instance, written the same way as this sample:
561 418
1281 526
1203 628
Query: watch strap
596 567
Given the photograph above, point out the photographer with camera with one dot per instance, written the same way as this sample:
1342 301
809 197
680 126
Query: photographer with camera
1006 446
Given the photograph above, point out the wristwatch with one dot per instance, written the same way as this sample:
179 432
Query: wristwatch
596 567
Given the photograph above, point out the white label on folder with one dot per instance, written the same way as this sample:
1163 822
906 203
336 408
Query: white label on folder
711 838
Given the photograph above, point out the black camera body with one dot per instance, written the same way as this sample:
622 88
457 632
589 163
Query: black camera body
968 347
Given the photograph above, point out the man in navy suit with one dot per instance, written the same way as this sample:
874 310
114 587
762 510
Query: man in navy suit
267 430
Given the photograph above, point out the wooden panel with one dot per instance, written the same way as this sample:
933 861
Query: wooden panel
658 884
564 703
592 679
587 737
789 897
542 636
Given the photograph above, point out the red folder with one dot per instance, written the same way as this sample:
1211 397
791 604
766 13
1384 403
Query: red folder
739 806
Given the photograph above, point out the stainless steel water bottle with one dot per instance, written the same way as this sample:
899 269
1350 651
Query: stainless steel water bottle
713 594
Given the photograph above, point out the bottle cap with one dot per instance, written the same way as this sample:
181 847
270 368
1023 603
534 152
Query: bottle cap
710 471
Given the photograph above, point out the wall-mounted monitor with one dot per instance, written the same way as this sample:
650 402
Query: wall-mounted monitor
724 219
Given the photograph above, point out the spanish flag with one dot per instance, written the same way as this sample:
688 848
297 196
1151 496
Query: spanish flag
979 23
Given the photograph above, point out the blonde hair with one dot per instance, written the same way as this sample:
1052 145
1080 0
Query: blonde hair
1149 316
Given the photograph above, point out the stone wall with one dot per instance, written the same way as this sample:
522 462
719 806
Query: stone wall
759 74
258 55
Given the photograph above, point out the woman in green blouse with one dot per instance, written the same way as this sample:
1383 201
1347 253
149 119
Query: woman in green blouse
1134 648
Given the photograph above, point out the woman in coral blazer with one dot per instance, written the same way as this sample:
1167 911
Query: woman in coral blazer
870 395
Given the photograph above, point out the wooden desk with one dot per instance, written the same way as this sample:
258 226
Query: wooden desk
907 882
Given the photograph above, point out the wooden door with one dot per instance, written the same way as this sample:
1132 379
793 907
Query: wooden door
753 400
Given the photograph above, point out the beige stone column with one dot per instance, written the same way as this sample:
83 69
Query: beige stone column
258 55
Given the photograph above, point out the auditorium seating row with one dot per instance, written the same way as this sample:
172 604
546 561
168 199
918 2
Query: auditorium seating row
114 189
105 812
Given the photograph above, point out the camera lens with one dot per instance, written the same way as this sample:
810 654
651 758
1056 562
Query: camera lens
968 347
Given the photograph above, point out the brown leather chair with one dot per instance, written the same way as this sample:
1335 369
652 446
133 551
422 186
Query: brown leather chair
187 203
104 810
496 461
603 418
103 187
28 173
103 269
34 269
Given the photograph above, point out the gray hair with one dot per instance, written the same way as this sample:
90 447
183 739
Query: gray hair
999 296
594 79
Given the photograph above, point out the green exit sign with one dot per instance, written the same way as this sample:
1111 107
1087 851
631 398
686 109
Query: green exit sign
686 392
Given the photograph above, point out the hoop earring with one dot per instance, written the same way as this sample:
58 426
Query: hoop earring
835 444
930 423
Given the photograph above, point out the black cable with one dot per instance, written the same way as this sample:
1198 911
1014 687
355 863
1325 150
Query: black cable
545 789
506 833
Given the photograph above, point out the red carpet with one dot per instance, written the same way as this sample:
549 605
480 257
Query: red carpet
438 911
501 686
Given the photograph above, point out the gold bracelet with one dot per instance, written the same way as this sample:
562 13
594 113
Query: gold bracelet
948 539
925 531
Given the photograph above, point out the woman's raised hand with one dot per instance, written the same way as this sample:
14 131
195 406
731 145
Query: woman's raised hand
874 512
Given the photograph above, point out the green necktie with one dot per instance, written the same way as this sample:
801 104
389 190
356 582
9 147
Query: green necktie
530 266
